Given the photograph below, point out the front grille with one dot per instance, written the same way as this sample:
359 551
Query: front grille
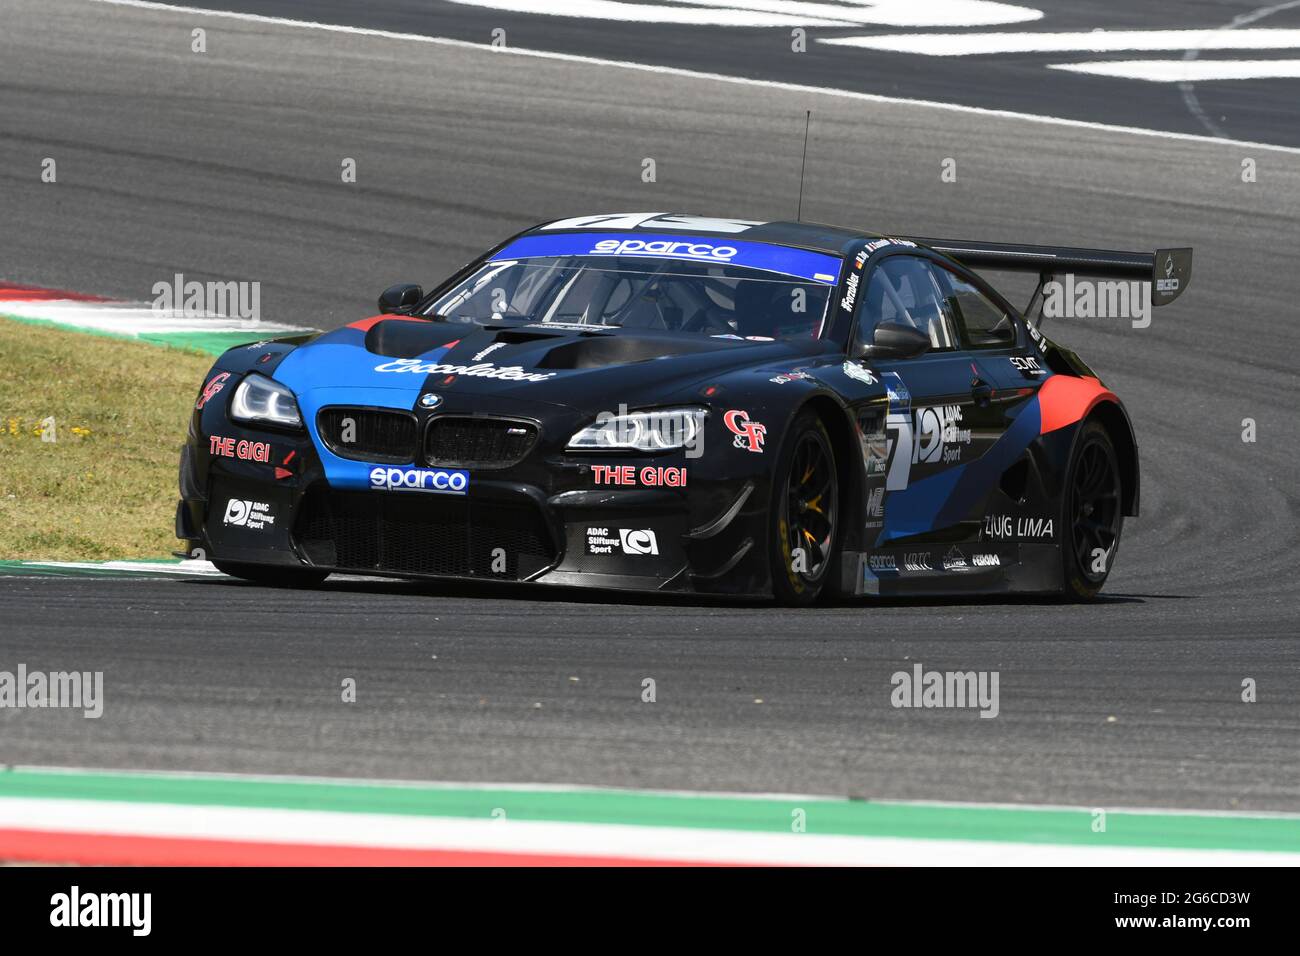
417 533
368 434
482 443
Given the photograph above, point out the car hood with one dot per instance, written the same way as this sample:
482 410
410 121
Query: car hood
391 361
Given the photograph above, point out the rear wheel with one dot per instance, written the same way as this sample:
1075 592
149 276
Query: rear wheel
1092 513
273 575
804 513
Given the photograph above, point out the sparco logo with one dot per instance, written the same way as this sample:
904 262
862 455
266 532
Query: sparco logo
438 480
663 247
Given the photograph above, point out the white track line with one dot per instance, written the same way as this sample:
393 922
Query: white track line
188 568
1096 41
330 828
1187 71
693 74
133 318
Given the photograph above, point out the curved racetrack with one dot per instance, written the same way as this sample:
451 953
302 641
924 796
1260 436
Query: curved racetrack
227 165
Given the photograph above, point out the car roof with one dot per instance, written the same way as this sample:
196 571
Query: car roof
801 235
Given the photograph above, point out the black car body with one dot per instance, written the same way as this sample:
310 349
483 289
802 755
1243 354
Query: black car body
668 403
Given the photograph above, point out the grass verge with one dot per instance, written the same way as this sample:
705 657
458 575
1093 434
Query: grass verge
105 487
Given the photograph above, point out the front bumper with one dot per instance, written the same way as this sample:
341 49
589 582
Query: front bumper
553 529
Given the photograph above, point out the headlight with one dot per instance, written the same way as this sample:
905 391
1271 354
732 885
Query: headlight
260 401
661 429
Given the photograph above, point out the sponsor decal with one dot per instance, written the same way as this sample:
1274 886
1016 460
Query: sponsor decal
898 425
1026 364
1168 283
253 515
818 267
638 542
850 292
244 450
664 248
955 560
1002 527
856 372
442 481
480 356
986 561
938 436
788 377
649 476
917 561
900 399
749 435
876 502
512 373
1036 335
882 562
881 243
621 540
215 385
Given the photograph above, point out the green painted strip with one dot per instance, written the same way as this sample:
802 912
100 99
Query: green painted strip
36 569
21 569
639 808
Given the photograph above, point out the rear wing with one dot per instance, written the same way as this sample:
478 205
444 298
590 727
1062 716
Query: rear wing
1168 270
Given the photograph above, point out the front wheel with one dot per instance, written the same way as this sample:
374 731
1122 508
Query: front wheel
1092 513
273 575
804 512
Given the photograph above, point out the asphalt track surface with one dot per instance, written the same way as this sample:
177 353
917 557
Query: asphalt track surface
226 165
1258 110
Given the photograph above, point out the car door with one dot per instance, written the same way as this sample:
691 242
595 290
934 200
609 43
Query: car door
931 425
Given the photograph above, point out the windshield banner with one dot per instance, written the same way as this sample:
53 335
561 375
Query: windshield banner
711 250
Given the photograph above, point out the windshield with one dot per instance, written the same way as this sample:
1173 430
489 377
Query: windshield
640 290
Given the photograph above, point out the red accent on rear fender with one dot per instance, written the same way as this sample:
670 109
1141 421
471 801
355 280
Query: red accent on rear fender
366 324
1064 400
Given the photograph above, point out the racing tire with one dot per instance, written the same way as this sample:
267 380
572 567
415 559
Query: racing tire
1092 513
804 513
273 575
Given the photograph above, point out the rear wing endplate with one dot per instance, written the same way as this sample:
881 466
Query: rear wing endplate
1168 270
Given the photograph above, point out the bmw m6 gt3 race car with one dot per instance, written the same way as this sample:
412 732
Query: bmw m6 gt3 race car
670 403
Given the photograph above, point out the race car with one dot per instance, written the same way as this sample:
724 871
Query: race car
661 402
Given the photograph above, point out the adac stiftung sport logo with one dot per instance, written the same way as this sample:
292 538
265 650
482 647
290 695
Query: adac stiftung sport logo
436 480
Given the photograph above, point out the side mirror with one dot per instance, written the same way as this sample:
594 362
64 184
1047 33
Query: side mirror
399 298
896 341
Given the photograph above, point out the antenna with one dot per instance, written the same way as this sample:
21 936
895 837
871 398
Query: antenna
804 165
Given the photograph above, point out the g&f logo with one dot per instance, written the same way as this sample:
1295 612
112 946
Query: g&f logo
749 435
638 542
217 383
